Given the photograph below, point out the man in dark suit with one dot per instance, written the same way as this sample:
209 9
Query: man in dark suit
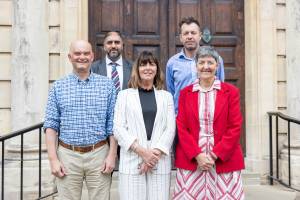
113 65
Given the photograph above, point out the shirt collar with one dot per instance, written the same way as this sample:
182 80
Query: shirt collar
183 56
89 78
119 62
197 88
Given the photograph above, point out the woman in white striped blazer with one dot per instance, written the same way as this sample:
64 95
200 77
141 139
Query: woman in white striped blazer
144 125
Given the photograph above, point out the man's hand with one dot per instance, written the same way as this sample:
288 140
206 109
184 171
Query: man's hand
204 162
57 168
110 161
109 164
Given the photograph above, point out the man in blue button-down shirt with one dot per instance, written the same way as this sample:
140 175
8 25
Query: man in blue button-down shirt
79 114
181 68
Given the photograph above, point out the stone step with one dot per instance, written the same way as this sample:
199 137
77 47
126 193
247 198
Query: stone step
253 189
249 179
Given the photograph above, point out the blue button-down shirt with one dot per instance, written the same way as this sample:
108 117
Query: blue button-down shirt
181 71
81 111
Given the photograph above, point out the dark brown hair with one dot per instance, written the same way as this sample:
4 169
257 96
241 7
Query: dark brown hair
189 20
112 32
144 58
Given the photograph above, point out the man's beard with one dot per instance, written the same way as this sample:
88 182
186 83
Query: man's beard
114 55
190 48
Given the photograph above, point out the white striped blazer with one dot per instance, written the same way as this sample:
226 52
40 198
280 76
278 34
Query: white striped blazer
129 126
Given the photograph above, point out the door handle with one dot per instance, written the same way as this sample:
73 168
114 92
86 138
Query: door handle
206 35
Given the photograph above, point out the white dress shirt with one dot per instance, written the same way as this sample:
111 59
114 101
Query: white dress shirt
119 63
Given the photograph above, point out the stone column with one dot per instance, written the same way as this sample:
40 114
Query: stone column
29 86
30 60
293 88
259 80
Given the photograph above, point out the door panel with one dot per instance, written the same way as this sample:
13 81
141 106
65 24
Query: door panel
149 28
143 23
101 21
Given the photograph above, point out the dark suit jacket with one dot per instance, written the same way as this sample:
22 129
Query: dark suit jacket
99 67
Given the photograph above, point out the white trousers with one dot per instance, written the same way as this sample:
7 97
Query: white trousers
144 187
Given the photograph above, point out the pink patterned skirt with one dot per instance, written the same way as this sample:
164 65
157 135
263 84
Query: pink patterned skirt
198 185
208 185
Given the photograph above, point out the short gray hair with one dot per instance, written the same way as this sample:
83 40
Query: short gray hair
207 51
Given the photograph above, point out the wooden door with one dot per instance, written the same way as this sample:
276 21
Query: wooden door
143 23
225 21
153 25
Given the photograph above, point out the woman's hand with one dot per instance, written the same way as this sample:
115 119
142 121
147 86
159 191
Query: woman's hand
205 162
157 152
144 168
150 156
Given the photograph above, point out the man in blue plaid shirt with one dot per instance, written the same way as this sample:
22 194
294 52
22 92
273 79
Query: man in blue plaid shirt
79 114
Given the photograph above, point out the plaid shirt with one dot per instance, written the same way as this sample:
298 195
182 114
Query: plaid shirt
81 111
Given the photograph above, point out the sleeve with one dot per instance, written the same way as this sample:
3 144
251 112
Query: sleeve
110 111
170 78
52 115
125 139
231 138
166 140
187 142
220 71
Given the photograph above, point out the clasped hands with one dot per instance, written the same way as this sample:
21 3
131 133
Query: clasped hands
150 159
204 161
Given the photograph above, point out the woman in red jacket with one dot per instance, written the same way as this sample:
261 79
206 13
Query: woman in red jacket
208 155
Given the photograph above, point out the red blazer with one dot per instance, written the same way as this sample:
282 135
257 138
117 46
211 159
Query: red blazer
227 129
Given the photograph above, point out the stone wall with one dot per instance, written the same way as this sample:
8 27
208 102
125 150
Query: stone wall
55 68
281 21
5 65
67 20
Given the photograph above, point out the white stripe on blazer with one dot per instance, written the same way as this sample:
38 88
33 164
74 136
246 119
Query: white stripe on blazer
129 126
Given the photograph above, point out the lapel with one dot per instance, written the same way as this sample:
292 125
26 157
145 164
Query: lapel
126 73
194 96
102 67
159 111
221 101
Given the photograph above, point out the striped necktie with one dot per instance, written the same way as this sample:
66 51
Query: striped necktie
115 77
